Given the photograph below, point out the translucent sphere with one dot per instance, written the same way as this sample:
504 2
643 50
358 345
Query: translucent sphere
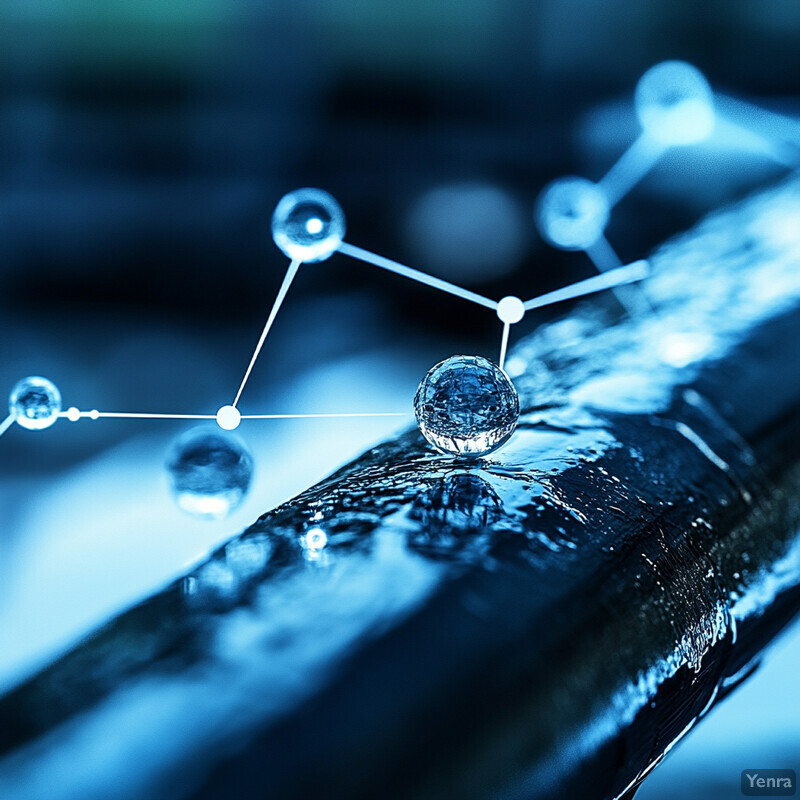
467 406
675 104
210 472
308 225
35 403
572 213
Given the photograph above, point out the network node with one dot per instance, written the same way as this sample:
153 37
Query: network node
35 403
308 225
675 103
94 414
229 418
73 414
572 213
510 310
210 472
466 405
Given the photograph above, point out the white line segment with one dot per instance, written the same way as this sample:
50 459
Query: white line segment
415 275
504 345
631 167
287 282
630 273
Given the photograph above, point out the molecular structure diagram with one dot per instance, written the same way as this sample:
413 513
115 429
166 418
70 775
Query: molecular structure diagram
465 405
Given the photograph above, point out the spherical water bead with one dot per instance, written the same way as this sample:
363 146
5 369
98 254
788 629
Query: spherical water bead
675 103
467 406
210 472
572 213
308 225
35 403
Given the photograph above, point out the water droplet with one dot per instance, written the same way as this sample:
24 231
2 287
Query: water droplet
465 405
210 472
35 403
308 225
572 213
675 104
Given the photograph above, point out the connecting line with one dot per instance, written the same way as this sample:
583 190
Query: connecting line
605 259
504 345
603 255
753 116
761 137
75 415
631 167
327 416
415 275
607 280
287 282
6 423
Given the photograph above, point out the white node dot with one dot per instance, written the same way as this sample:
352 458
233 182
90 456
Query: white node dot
73 414
94 414
675 103
228 418
308 225
572 213
511 310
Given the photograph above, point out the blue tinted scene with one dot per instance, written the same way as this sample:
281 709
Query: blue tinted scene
402 400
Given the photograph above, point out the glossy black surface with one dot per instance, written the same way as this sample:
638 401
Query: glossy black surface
544 623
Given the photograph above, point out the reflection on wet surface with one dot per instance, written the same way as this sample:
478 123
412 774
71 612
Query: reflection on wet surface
612 553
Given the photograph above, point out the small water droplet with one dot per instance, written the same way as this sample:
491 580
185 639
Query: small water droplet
210 472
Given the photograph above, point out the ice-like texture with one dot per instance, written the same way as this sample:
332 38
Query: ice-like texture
35 403
467 406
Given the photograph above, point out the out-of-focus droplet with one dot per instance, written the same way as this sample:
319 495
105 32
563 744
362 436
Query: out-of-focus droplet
467 231
210 472
675 103
35 403
308 225
572 213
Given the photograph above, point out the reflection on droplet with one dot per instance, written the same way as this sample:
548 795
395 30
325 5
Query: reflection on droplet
210 472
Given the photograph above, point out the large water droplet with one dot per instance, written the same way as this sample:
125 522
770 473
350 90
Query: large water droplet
210 472
466 405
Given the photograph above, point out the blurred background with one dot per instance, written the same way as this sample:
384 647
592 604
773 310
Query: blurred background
143 146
